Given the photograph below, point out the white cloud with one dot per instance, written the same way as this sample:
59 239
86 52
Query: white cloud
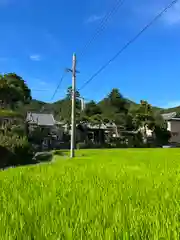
94 18
35 57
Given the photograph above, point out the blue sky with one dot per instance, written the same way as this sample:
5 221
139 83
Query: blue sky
38 38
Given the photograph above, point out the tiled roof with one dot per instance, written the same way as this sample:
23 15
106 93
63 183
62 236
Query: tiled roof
169 116
41 119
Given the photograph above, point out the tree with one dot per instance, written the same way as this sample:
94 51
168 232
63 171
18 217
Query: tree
162 135
92 109
13 89
65 110
118 101
8 94
96 120
69 93
144 115
160 130
114 107
62 108
129 123
145 118
17 81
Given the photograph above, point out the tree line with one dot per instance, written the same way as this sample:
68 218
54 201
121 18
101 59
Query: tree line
16 100
114 108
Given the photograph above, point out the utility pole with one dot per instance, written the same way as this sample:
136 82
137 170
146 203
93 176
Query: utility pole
73 113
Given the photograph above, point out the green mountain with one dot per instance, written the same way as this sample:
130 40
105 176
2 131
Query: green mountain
174 109
62 108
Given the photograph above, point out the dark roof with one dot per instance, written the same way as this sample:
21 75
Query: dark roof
41 119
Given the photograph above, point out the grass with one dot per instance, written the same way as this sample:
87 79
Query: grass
102 194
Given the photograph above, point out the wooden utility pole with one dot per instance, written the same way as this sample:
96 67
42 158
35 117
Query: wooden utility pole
73 113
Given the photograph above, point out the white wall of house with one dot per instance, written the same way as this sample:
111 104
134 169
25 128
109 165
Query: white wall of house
174 127
169 126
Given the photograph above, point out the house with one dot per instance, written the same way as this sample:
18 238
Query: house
97 133
90 133
173 125
50 130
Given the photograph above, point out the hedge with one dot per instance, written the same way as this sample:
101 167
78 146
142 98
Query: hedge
15 150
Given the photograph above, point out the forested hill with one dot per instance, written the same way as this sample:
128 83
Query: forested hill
15 98
174 109
60 107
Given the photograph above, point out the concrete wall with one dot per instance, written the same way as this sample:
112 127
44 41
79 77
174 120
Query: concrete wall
174 128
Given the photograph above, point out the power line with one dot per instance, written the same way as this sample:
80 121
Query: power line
99 29
58 86
102 25
129 43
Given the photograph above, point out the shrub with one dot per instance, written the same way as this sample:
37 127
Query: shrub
23 151
6 155
19 130
20 151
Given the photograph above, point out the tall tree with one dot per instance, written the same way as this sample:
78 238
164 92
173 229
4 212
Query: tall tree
144 115
114 107
118 101
92 109
13 89
17 81
69 93
64 106
146 118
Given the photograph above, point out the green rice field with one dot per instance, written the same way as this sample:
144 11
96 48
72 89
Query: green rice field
101 194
